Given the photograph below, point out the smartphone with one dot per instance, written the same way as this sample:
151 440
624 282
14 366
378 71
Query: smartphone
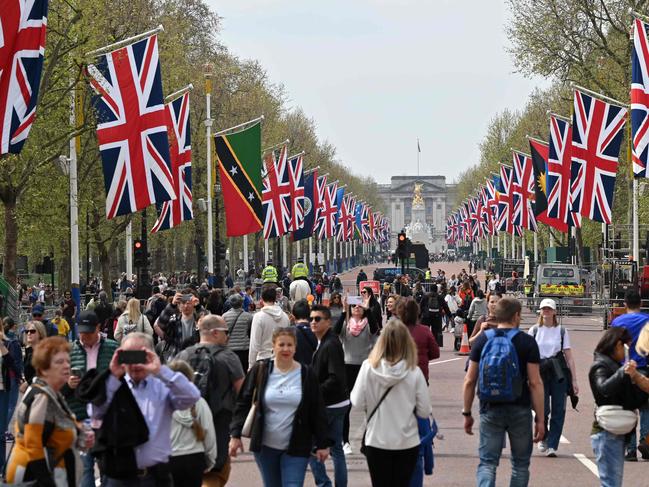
353 300
132 357
186 298
76 372
626 353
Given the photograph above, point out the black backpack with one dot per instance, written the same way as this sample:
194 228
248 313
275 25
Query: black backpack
208 376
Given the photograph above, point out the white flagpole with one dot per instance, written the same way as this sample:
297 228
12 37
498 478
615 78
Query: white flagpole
265 251
208 136
74 202
536 247
246 269
310 250
124 42
129 250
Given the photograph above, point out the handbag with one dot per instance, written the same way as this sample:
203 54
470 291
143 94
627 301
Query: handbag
615 420
246 431
363 449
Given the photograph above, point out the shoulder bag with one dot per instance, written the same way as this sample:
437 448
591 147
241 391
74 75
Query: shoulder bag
616 420
252 413
363 449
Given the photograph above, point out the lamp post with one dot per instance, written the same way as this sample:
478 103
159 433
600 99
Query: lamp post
208 70
218 277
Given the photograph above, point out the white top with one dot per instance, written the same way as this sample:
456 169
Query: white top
453 302
548 338
281 398
394 425
183 437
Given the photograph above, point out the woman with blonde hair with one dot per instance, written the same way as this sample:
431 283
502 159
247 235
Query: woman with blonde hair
132 320
34 332
389 385
557 371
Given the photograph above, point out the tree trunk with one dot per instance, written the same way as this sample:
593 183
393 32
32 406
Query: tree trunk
11 240
579 243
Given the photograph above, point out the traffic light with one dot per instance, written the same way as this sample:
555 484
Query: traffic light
401 245
139 254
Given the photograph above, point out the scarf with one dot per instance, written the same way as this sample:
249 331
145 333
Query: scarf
356 327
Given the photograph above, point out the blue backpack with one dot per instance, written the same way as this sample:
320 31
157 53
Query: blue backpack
500 375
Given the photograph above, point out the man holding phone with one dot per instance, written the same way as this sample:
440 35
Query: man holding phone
176 325
89 351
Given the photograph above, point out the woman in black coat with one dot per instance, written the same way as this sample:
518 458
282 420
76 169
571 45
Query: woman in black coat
372 305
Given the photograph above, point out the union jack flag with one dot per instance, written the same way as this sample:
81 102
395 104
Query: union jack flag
640 98
132 128
491 204
375 219
173 213
522 189
318 199
23 27
505 202
597 130
345 230
327 216
474 214
276 195
450 229
296 180
485 212
559 169
363 221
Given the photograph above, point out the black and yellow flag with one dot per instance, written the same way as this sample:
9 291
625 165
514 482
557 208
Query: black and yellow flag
239 159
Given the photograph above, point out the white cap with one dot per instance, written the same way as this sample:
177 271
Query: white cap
548 303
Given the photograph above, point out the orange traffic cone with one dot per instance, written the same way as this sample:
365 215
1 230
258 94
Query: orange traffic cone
464 346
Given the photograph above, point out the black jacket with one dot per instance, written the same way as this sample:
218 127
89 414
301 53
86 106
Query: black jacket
309 423
329 366
170 322
306 343
611 386
123 426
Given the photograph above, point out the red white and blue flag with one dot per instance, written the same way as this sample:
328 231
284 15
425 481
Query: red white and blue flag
505 203
23 27
276 195
492 204
558 175
296 180
640 99
597 130
345 228
132 128
326 226
173 213
522 189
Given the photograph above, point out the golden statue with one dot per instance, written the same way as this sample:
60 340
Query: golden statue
417 199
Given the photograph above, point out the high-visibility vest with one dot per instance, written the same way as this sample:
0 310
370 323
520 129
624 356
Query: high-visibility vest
269 274
300 270
427 277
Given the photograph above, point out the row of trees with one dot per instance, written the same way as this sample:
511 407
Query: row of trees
582 41
34 193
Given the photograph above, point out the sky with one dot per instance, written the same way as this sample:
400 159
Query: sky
375 75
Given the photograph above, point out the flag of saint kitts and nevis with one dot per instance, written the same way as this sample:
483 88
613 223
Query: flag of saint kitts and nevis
239 158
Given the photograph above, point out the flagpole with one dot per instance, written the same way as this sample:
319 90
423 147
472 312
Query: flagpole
246 268
74 211
124 42
207 70
244 124
265 251
129 250
536 247
177 94
575 86
418 154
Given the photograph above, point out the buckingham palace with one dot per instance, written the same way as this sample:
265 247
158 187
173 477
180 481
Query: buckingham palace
438 198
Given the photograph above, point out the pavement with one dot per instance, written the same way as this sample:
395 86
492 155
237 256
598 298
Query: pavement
456 456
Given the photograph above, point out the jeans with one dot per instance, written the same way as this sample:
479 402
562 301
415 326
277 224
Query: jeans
609 455
644 431
13 398
494 422
88 476
279 469
4 422
555 407
335 420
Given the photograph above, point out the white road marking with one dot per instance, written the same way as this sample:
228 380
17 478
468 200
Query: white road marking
444 361
564 440
587 463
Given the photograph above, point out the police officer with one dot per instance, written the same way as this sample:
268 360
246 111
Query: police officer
270 274
427 276
300 269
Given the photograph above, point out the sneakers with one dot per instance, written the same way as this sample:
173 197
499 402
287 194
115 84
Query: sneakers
551 453
643 448
542 446
347 449
8 437
631 456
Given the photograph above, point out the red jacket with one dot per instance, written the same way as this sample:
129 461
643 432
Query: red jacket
427 347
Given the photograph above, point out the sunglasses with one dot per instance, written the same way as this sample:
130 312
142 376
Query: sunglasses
363 292
317 319
29 332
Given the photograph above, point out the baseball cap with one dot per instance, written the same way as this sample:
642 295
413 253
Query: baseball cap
37 310
548 303
88 322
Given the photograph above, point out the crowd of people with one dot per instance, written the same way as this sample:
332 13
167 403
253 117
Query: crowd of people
169 391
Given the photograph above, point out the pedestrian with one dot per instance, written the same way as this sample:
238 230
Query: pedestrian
477 309
152 392
391 391
289 424
16 371
212 359
45 425
214 302
329 368
61 324
264 322
90 351
104 312
7 369
453 303
34 333
239 323
132 320
335 306
193 441
618 385
486 321
176 325
38 314
68 307
466 295
357 328
391 306
431 309
506 395
634 320
557 371
360 277
307 343
427 346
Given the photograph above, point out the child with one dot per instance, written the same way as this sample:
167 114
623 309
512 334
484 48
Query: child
61 324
